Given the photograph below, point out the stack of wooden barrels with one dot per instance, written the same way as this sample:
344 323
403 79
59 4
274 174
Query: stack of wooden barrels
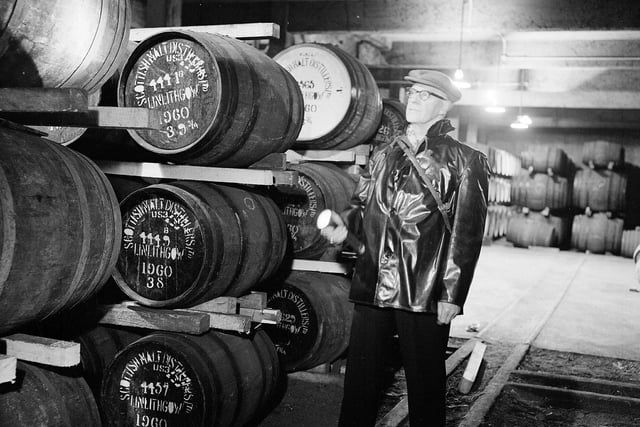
176 244
600 188
543 189
504 166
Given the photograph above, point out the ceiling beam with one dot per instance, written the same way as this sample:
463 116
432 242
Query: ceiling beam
575 100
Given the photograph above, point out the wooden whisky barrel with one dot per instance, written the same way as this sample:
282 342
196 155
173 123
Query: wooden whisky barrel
630 241
535 229
316 319
602 154
173 379
597 234
342 103
392 123
540 191
600 190
188 242
62 43
98 348
42 397
319 187
541 158
60 228
223 102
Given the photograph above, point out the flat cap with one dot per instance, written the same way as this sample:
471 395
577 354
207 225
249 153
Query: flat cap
437 80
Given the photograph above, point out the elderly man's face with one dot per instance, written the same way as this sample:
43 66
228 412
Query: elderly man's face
423 104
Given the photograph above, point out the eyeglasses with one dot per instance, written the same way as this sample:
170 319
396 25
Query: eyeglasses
422 94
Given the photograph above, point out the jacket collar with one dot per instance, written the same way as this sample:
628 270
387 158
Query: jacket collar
439 128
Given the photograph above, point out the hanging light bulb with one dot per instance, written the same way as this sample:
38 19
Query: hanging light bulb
495 109
493 106
458 76
523 118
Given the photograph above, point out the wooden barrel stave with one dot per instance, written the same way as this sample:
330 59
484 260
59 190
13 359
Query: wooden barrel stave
219 250
599 190
90 52
250 107
42 397
224 379
601 154
316 319
55 190
326 125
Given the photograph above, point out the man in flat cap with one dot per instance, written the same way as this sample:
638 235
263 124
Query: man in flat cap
420 213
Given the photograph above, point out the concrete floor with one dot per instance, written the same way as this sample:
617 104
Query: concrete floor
556 300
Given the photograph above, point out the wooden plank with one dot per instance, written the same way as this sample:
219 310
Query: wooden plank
459 355
257 30
566 398
473 366
158 319
266 315
321 266
594 385
276 161
199 173
8 366
228 305
357 155
43 99
47 351
230 322
400 412
255 300
100 117
244 306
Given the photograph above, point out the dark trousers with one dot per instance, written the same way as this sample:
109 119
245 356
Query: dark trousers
423 344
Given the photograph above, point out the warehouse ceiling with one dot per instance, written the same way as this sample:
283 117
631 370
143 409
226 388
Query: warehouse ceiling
573 63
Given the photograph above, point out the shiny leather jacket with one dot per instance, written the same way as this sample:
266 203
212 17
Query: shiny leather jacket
411 261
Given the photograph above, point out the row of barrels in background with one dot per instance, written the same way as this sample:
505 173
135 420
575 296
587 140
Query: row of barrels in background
554 160
599 190
597 233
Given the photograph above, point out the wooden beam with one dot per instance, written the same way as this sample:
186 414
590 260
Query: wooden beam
199 173
258 30
593 385
46 351
8 366
473 366
158 319
94 117
227 305
254 300
321 266
40 100
605 100
567 398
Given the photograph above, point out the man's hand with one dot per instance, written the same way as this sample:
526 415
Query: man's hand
336 231
446 312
